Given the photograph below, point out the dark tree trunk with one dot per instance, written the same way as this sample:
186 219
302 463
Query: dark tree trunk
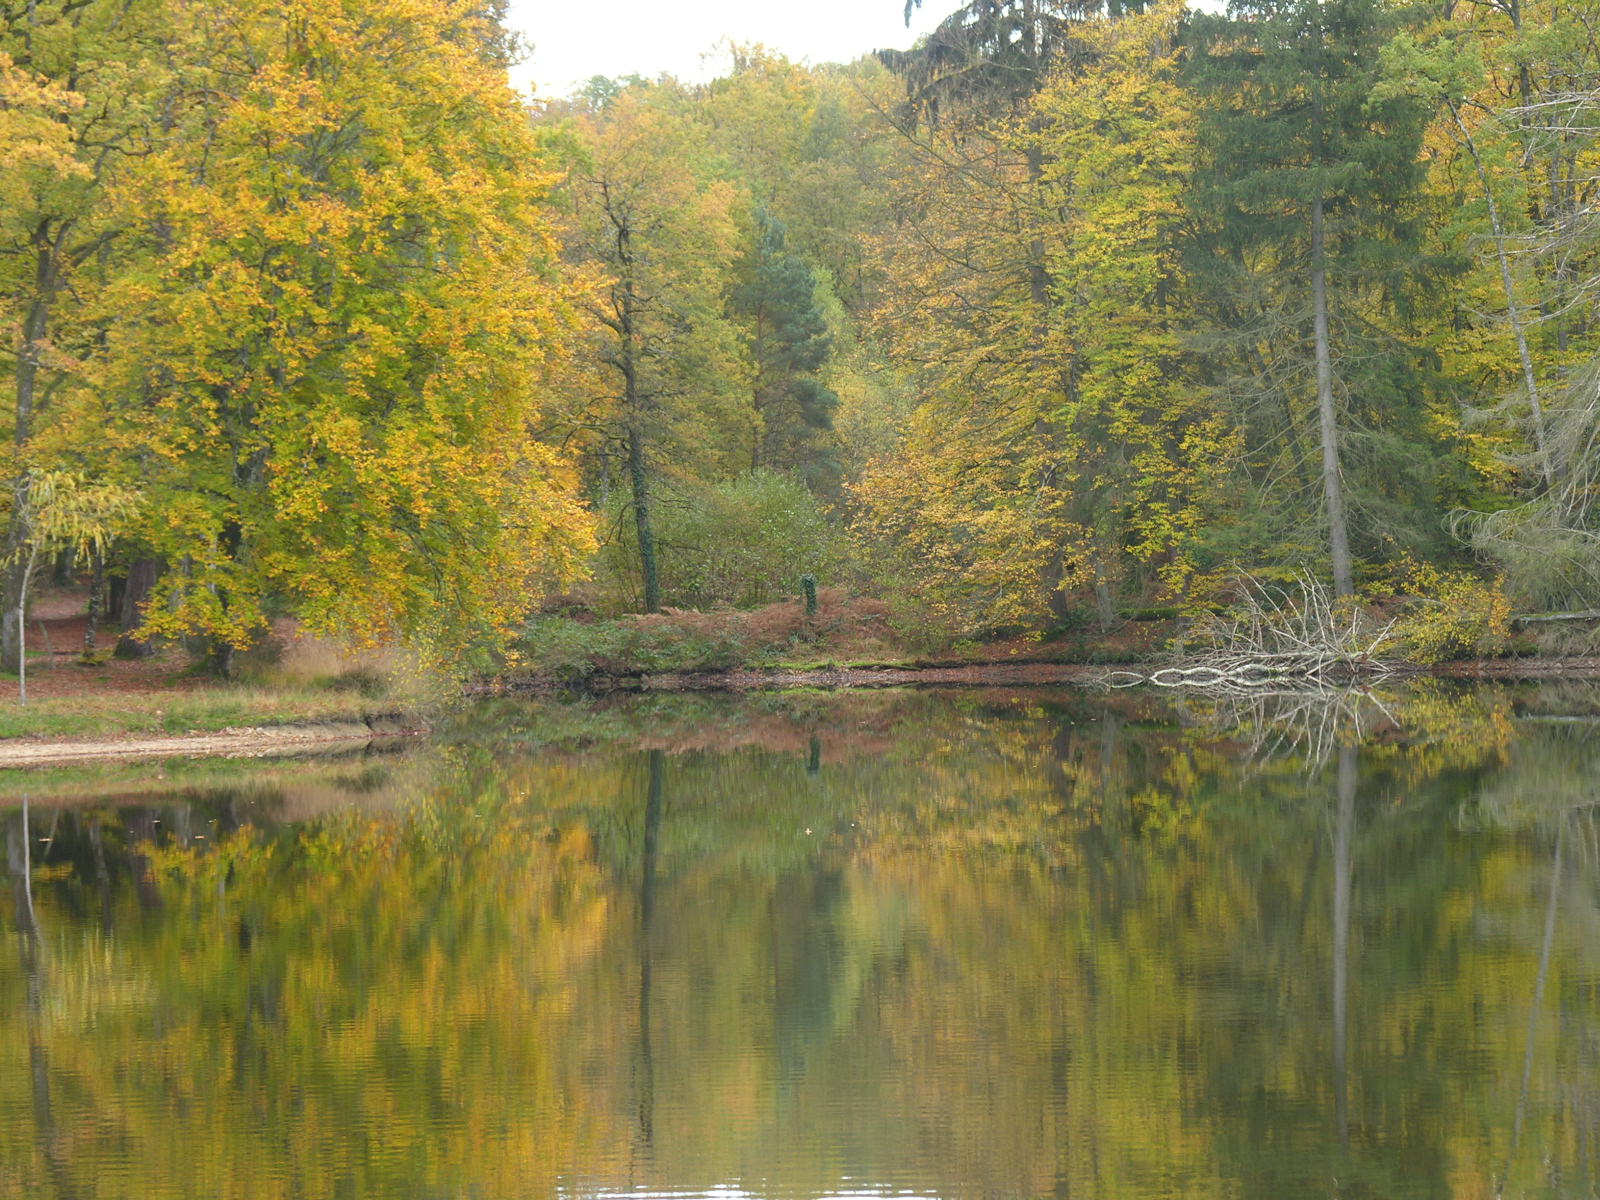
136 588
635 400
643 522
97 587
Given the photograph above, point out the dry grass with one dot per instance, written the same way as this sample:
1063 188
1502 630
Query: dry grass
845 627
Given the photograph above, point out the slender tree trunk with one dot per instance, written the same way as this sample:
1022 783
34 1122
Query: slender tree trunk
1513 309
220 653
35 327
20 612
1332 485
643 518
758 414
1038 271
633 410
97 587
1327 414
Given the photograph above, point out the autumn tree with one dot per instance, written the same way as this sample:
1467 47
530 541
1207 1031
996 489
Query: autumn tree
80 82
322 362
1515 88
660 381
1060 442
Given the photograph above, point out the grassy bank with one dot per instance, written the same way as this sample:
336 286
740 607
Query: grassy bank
208 709
290 680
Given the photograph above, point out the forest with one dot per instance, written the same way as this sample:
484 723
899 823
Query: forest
1071 312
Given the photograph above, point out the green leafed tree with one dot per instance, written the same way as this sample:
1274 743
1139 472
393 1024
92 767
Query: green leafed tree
1311 265
659 379
788 345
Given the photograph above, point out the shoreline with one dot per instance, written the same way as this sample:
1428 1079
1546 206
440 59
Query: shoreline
293 738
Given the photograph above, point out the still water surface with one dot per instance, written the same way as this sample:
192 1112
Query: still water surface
877 945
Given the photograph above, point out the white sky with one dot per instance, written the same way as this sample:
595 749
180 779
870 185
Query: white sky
573 42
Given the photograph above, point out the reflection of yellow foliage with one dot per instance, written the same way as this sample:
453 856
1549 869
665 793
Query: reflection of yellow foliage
1050 952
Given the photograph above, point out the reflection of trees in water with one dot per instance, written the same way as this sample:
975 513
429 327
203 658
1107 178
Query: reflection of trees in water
1308 723
1056 951
1550 788
19 866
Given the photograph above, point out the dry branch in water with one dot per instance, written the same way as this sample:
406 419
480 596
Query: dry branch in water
1272 639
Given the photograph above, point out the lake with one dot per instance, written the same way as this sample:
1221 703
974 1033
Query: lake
972 944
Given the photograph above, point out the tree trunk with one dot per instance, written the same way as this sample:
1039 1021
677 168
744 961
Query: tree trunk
643 522
140 582
97 587
35 326
220 651
1105 604
12 599
634 400
1332 485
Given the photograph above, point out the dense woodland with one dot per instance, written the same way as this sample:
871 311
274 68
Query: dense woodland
1067 311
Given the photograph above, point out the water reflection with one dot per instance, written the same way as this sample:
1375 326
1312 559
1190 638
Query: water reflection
885 945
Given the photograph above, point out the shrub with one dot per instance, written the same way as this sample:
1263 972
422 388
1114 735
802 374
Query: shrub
574 650
744 543
1452 614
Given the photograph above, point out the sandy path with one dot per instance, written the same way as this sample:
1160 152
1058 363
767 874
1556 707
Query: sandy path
229 743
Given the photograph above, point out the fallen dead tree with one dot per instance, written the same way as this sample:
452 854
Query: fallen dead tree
1276 639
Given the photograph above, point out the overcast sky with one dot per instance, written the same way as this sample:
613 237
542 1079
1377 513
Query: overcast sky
572 42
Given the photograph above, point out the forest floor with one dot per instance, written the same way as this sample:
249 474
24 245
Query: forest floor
311 695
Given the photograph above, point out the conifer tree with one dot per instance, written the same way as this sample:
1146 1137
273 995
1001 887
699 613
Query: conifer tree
788 344
1309 253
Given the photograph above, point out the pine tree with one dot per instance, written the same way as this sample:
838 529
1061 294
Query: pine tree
1309 250
788 344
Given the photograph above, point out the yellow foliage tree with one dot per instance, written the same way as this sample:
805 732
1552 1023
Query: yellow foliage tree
324 363
1058 442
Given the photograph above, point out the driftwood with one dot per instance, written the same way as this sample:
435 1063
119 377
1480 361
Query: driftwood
1592 614
1273 641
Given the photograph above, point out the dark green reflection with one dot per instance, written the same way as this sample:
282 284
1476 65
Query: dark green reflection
983 945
